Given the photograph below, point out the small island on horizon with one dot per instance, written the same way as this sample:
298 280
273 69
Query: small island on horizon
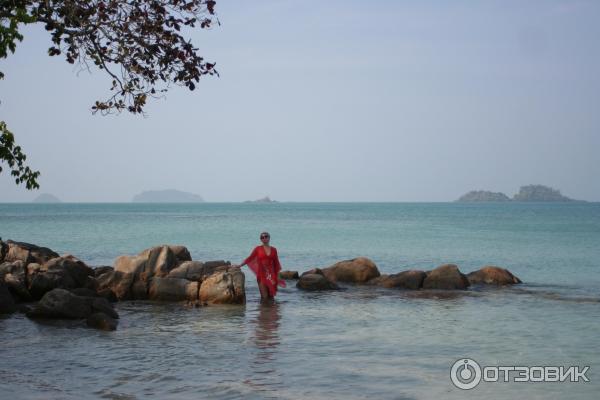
46 198
528 193
167 196
265 199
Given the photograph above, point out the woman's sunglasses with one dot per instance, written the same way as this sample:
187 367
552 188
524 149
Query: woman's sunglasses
264 237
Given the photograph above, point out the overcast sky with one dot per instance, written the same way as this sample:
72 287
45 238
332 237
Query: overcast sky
332 101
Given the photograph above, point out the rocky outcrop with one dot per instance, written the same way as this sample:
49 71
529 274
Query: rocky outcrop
315 282
14 275
60 303
66 272
357 270
483 196
289 275
25 252
173 289
492 275
223 288
446 277
411 279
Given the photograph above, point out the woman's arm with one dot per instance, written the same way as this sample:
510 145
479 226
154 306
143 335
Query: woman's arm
249 258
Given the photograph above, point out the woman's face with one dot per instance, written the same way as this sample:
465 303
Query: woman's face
264 238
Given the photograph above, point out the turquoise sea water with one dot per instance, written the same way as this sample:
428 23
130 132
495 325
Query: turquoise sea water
357 343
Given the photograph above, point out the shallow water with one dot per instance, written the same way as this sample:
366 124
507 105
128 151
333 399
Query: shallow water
357 343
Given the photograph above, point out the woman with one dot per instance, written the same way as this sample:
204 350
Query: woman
263 261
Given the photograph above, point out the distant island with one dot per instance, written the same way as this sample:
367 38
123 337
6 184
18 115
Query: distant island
166 196
529 193
265 199
46 198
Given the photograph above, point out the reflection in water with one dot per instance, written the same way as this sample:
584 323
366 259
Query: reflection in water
265 339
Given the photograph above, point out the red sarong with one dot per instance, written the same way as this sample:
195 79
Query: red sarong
266 268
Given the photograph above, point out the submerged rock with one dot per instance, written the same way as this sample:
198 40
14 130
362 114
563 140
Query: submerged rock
492 275
446 277
7 303
100 320
312 282
411 279
357 270
289 275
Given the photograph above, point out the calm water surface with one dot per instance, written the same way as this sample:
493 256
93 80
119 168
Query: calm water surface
353 344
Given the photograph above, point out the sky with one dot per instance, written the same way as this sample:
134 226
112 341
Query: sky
331 101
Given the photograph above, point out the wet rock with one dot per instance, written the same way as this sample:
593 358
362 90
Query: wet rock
190 270
85 292
357 270
446 277
312 282
7 303
66 272
411 279
14 274
107 294
102 305
26 252
223 288
118 283
289 275
102 270
173 289
313 271
100 320
492 275
60 303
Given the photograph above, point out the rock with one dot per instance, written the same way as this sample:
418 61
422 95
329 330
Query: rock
100 304
26 252
14 274
492 275
60 303
357 270
101 321
315 282
7 303
446 277
85 292
102 270
155 261
223 288
411 279
117 283
107 294
190 270
313 271
181 253
173 289
66 272
289 275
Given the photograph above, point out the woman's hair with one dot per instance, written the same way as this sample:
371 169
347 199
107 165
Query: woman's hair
265 233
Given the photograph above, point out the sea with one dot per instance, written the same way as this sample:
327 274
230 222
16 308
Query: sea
358 343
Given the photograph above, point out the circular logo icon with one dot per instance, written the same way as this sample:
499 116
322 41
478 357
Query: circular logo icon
465 373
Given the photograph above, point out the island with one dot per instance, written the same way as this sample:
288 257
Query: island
483 195
528 193
265 199
46 198
167 196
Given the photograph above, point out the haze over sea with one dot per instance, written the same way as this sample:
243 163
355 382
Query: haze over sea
363 342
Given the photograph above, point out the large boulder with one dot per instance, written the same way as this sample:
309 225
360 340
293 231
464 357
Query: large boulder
173 289
26 252
357 270
7 303
14 274
66 272
102 270
446 277
411 279
223 288
492 275
312 282
60 303
118 283
155 261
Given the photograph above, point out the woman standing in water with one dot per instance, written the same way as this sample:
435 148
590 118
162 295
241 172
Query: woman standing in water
263 261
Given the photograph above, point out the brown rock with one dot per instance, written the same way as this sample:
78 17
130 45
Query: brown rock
312 282
318 271
492 275
7 303
26 252
289 275
357 270
411 279
14 274
223 288
66 272
119 283
102 270
60 303
446 277
173 289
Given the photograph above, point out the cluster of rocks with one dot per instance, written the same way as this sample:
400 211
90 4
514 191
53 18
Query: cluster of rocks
364 271
42 284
